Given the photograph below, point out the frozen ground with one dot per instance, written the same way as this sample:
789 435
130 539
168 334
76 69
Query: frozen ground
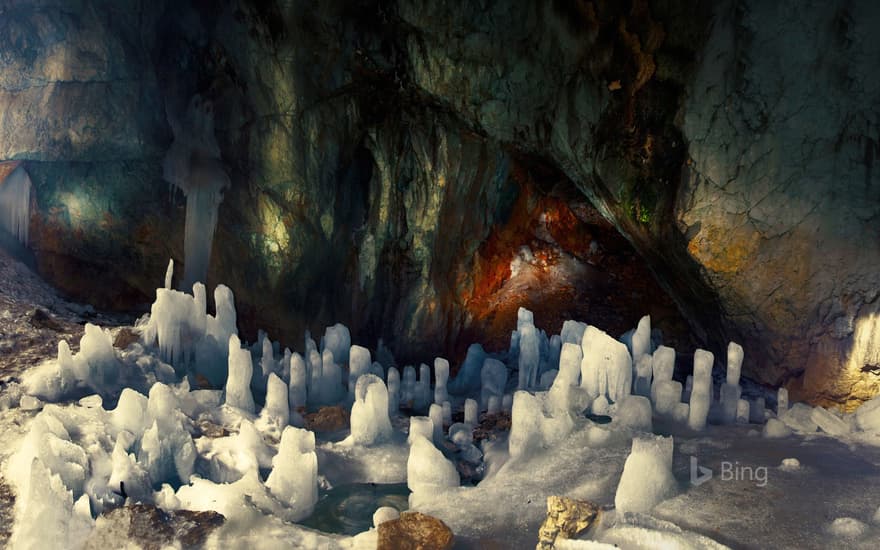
69 440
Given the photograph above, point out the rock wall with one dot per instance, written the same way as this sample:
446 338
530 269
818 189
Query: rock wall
780 201
375 149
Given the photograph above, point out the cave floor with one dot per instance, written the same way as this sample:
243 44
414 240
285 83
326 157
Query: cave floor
789 508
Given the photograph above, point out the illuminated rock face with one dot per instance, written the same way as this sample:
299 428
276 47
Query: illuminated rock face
395 188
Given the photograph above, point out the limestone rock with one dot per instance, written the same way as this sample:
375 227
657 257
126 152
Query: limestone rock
566 519
414 531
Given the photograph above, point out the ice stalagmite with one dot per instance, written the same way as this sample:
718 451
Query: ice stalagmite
393 391
370 422
435 413
644 375
337 339
294 476
441 377
529 356
781 401
298 385
641 339
423 389
468 377
730 390
359 362
493 378
238 390
572 332
15 200
471 412
606 368
331 378
408 387
420 426
426 468
663 365
166 449
277 408
193 165
316 377
701 394
647 475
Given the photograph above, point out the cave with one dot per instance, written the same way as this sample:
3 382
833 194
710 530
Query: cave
346 274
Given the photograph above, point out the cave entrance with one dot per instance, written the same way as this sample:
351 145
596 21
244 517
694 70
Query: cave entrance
558 257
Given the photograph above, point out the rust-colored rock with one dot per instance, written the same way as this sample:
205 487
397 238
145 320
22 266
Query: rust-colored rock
414 531
328 419
566 518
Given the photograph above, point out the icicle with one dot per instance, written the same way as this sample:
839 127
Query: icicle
15 200
193 164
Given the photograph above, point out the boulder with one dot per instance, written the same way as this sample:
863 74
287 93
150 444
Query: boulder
414 531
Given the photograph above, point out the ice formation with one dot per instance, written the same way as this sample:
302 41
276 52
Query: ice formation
468 378
294 476
337 339
370 422
393 386
152 440
427 469
298 385
644 375
493 378
420 426
277 409
781 401
647 475
606 368
441 377
435 413
572 332
15 202
641 339
423 393
668 396
238 388
634 412
193 165
730 390
663 365
471 410
359 362
331 378
529 356
701 394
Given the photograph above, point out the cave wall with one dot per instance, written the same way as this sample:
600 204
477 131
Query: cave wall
373 149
